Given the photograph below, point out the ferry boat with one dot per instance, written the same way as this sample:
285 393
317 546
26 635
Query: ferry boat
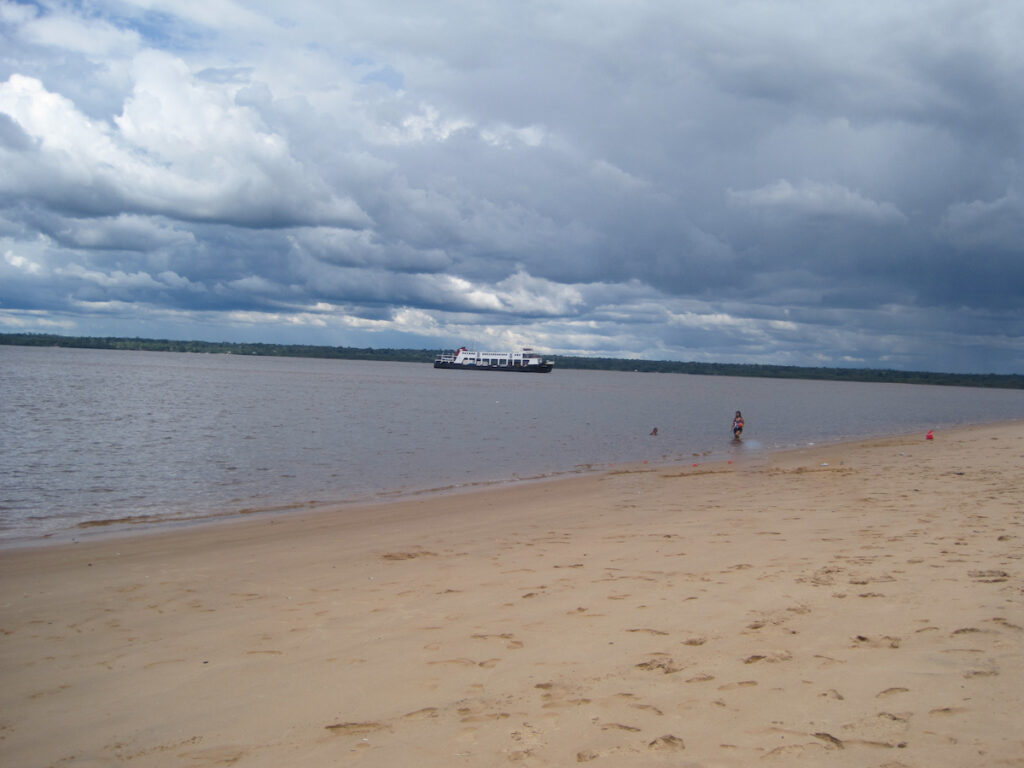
524 361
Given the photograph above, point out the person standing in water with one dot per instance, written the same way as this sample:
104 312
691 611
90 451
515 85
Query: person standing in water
737 425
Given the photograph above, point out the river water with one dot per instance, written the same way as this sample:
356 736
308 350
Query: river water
91 437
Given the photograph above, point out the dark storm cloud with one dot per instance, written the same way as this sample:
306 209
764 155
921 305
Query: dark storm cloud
748 182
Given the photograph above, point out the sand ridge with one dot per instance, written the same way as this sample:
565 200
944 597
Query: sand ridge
849 605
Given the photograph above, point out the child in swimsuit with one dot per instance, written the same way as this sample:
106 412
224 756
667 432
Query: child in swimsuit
737 425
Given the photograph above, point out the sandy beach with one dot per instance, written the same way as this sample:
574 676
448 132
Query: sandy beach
850 605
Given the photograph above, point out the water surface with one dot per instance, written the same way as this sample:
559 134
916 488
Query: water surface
99 435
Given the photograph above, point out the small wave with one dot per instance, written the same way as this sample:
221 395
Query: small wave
129 520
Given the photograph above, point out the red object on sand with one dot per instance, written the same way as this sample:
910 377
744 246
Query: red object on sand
930 435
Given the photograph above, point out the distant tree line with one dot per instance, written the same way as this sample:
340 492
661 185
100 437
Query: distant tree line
1003 381
218 347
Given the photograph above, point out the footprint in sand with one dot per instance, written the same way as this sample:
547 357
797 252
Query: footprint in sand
887 641
510 643
421 714
356 728
556 696
1007 624
967 631
620 727
479 717
980 673
891 692
828 738
667 666
407 555
648 708
788 750
667 743
740 684
552 702
884 729
226 755
772 657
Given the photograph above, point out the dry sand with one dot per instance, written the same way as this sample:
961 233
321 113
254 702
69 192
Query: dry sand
852 605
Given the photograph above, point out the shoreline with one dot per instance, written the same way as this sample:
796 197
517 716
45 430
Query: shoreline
426 356
860 604
127 527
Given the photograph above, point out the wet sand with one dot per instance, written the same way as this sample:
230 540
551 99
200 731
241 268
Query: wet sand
851 605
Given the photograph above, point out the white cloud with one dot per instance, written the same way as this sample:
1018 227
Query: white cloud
117 279
506 136
523 294
22 263
254 284
464 294
426 125
708 320
363 248
72 145
180 148
412 320
88 36
982 224
604 171
181 119
35 321
106 306
17 13
174 280
124 232
215 14
817 199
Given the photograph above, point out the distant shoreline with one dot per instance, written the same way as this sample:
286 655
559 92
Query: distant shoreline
986 380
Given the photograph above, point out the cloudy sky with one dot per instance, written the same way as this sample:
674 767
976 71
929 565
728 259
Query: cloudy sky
793 182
